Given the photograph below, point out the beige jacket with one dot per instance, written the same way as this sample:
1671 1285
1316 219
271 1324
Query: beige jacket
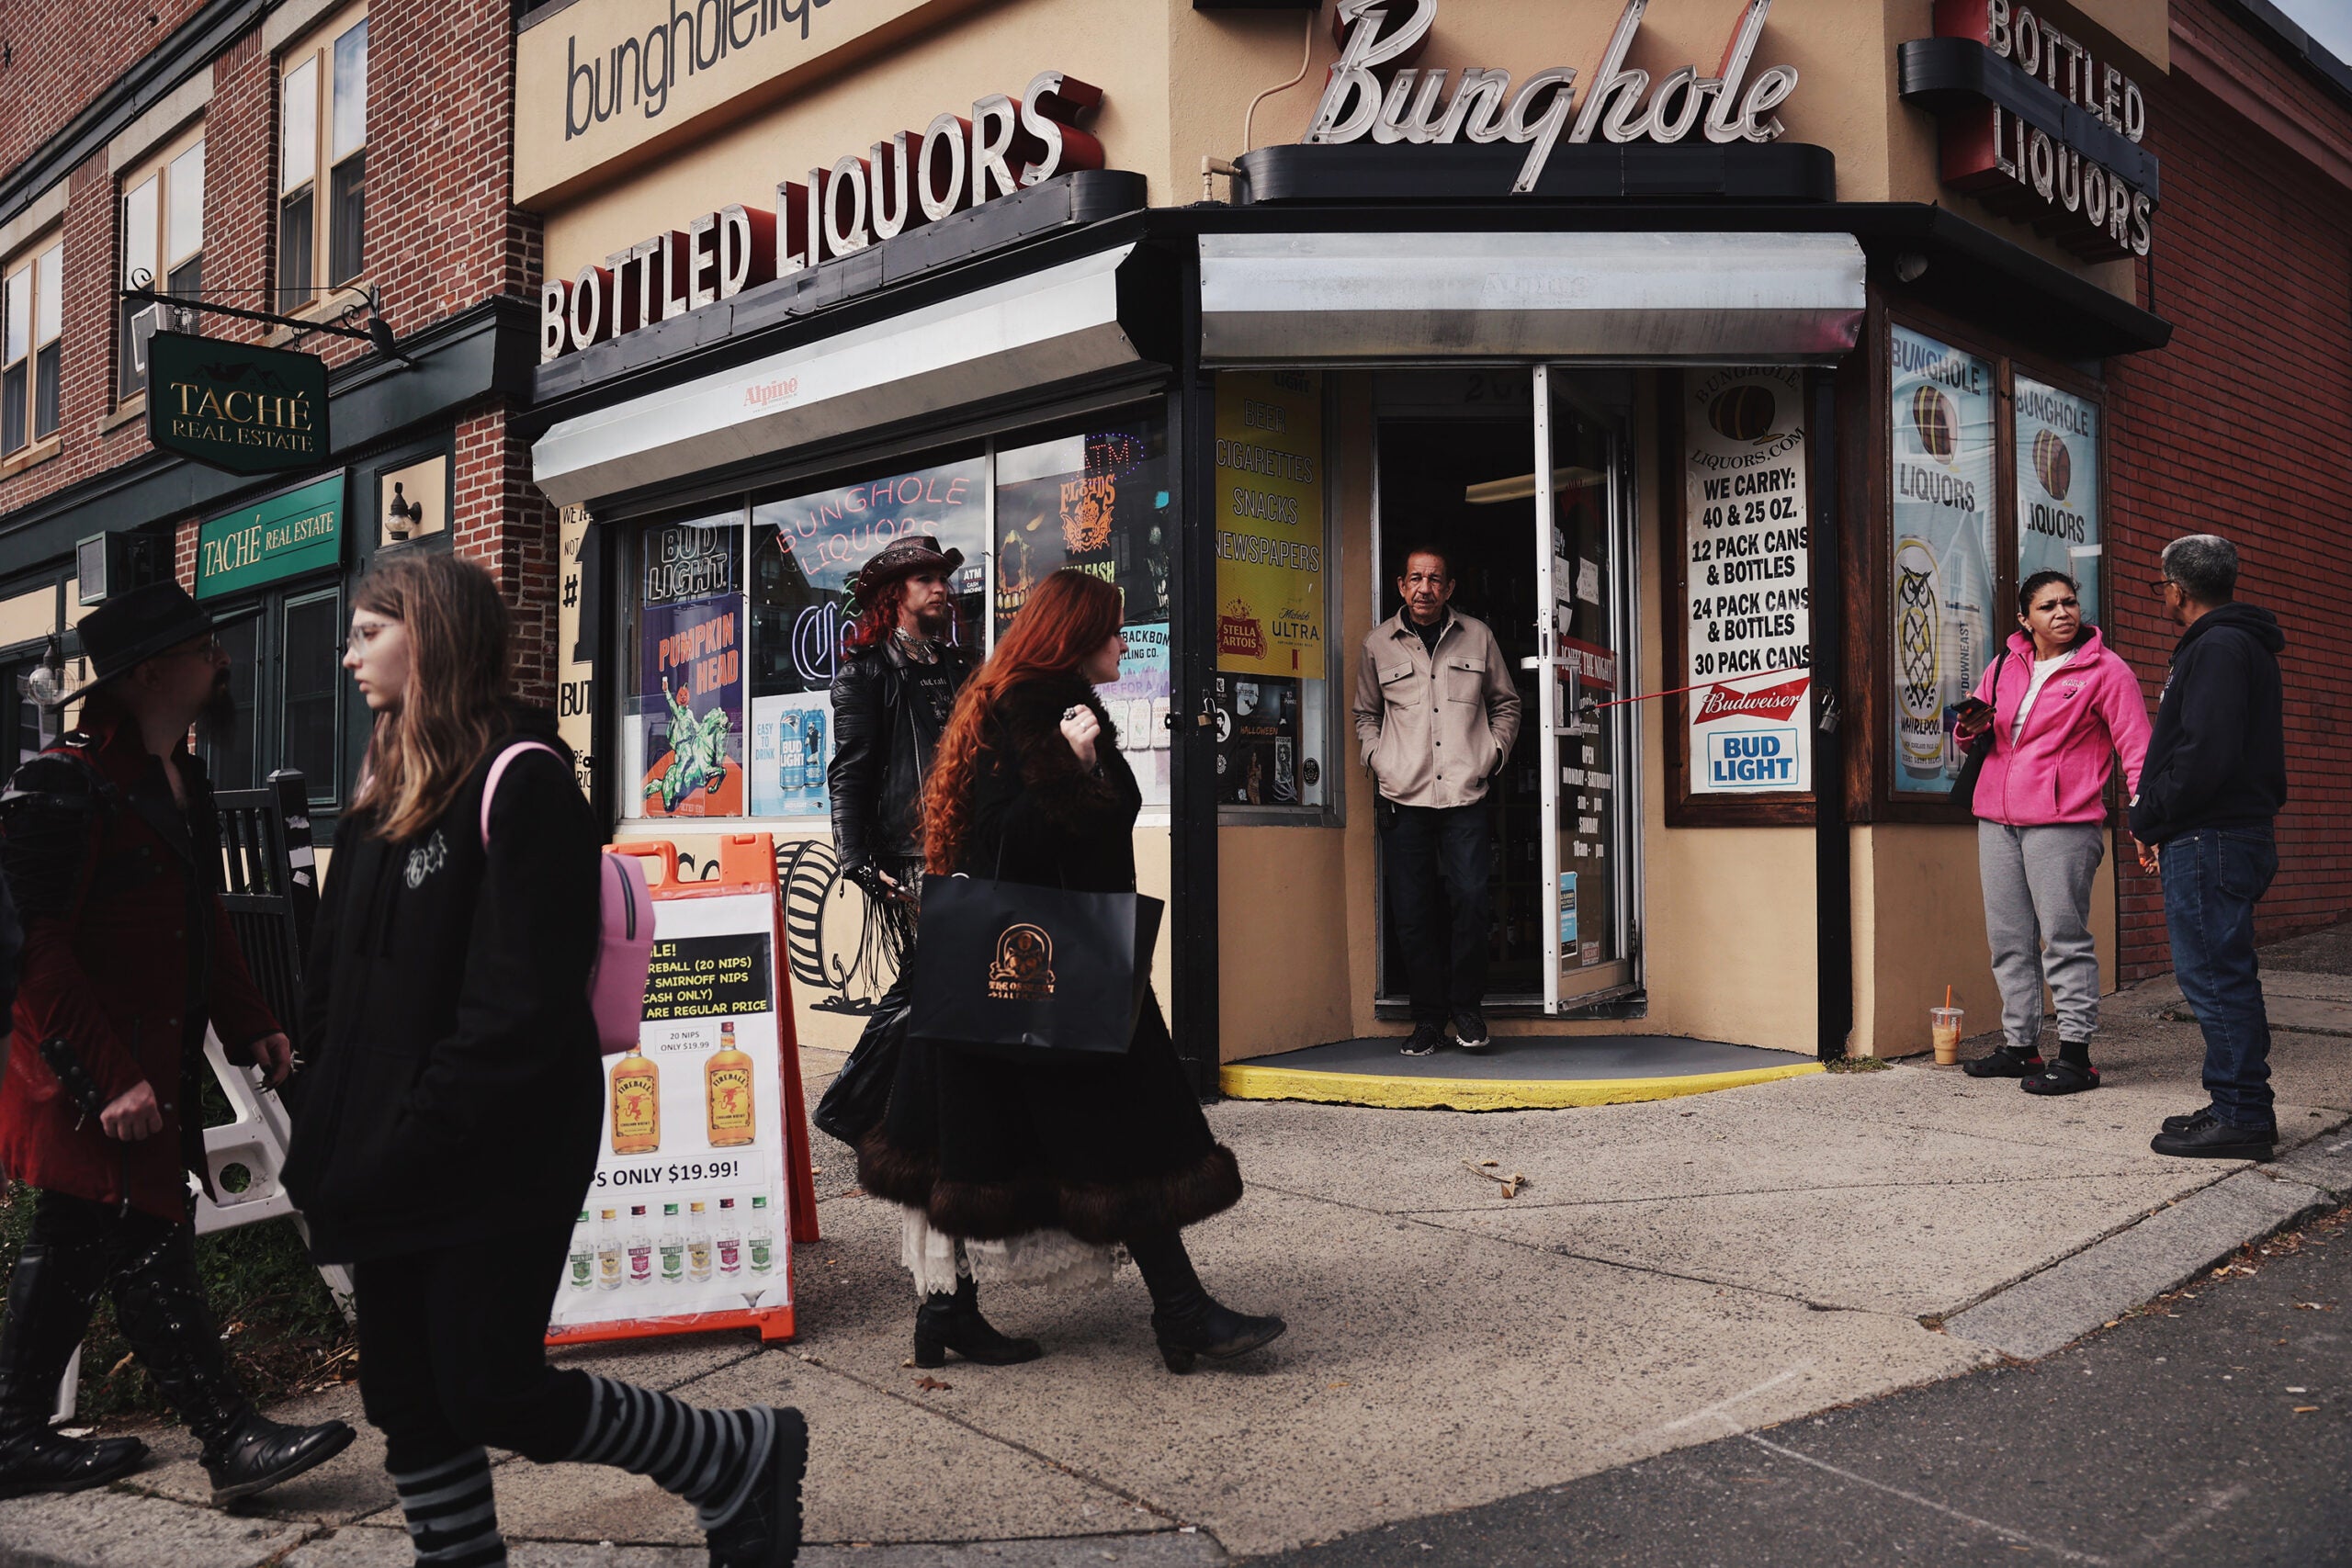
1434 736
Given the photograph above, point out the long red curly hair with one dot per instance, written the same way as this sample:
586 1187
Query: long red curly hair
1065 619
877 620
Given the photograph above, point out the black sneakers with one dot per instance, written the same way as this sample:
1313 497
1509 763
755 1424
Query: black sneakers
1425 1038
1470 1030
2205 1136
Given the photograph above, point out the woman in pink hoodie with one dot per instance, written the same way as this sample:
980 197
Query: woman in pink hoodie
2063 705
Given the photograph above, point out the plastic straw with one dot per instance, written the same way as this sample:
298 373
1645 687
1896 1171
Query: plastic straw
1947 998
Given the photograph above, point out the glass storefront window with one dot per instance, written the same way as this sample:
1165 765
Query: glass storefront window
805 550
1097 501
2057 487
682 735
1944 439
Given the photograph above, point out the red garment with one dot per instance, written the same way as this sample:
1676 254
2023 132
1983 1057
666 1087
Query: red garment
111 973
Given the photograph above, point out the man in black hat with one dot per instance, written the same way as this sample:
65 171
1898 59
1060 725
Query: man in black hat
891 698
111 847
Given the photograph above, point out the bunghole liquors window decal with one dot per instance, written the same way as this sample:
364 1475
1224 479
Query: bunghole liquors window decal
2058 487
1942 449
805 551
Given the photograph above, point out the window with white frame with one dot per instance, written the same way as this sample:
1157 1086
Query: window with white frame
32 315
322 162
162 249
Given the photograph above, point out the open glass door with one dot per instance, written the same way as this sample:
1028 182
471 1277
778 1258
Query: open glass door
1585 617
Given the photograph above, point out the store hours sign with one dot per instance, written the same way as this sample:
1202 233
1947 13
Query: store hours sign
1747 565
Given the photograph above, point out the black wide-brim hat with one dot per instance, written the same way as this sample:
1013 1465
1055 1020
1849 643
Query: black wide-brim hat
900 557
132 628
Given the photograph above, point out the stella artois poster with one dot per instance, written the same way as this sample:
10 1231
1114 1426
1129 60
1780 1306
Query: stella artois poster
1269 587
1748 562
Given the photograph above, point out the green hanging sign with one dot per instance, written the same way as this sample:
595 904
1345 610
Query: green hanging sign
236 405
293 531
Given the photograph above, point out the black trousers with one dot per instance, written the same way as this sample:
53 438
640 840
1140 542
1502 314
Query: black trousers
453 1351
1439 860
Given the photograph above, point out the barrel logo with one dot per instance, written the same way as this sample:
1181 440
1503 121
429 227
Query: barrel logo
1937 422
1744 412
2052 463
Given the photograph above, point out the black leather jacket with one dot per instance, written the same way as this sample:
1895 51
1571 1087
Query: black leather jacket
883 739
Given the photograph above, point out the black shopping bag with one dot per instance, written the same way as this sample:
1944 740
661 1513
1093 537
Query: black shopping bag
1013 969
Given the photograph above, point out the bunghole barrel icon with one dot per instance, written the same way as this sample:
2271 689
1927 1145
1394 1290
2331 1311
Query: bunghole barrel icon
1918 685
2052 463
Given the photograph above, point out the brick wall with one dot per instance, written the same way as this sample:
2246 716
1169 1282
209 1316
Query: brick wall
62 54
2240 427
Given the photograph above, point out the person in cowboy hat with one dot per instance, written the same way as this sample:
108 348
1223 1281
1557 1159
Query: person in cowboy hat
111 848
891 698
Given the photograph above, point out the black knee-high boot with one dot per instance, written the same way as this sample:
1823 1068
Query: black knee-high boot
953 1322
159 1306
1188 1320
48 1306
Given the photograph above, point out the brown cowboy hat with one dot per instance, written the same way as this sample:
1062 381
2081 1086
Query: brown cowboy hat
902 557
130 628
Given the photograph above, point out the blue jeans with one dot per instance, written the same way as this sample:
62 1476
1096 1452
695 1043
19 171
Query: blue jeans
2212 879
1439 862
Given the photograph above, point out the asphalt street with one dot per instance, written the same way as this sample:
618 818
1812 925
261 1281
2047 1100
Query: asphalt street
2210 1426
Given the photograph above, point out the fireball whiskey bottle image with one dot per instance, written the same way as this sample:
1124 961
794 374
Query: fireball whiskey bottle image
610 1268
637 1104
698 1244
727 1088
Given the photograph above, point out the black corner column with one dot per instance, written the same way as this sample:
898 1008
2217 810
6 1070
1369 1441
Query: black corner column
1832 847
1192 425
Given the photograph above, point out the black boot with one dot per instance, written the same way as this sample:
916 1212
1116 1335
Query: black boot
766 1531
945 1323
1188 1320
48 1306
159 1306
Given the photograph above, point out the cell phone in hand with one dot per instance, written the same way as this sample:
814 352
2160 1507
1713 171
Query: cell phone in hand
1969 710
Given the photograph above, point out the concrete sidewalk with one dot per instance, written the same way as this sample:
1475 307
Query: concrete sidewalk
1672 1271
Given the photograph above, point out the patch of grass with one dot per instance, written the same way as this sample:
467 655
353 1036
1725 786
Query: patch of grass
1857 1064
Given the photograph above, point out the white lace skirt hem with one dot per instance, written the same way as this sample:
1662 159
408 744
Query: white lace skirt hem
1054 1260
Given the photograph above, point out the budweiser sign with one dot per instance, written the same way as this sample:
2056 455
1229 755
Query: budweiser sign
1775 703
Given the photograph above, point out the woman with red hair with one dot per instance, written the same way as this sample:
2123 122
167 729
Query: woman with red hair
1004 1164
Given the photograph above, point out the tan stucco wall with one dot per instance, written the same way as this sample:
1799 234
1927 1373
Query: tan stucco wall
1177 82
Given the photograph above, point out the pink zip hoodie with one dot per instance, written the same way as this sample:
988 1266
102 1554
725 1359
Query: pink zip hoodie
2090 709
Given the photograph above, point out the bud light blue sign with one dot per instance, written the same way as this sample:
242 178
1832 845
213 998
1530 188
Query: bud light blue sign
1753 759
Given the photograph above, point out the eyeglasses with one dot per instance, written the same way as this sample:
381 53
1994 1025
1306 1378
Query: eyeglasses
209 648
2158 584
362 636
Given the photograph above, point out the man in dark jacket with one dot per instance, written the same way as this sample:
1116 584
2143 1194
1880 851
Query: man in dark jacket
2214 779
112 851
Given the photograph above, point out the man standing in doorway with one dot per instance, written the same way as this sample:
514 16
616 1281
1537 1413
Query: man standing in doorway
2214 782
1436 713
112 850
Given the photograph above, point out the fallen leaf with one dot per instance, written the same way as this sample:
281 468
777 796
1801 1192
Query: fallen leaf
931 1383
2305 1409
1490 1162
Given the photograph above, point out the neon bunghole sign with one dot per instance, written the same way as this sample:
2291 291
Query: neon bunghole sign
1618 102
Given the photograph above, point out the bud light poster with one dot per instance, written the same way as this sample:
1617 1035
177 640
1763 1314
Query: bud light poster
691 705
1942 595
1748 562
792 742
2057 481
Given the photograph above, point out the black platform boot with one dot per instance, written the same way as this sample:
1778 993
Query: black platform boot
1188 1320
945 1323
159 1304
48 1306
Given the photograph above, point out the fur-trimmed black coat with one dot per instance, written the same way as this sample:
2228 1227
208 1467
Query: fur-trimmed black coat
1107 1148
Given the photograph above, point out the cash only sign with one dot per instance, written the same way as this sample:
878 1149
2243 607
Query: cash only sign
236 405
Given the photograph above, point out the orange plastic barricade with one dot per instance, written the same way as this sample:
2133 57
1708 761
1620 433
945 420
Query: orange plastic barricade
703 1181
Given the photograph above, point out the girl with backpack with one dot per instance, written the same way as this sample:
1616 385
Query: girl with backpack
448 1124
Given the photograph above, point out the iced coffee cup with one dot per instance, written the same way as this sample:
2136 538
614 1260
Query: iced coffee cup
1943 1027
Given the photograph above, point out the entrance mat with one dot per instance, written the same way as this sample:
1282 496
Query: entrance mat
1522 1072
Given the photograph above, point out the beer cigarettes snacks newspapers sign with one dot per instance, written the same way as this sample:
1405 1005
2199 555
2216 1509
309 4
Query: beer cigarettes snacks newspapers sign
1748 565
690 1219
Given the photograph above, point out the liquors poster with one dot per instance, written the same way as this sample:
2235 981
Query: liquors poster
1747 562
1941 422
1270 588
686 1214
2058 489
1098 502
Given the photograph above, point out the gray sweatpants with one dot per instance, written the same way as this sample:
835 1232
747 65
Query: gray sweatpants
2036 918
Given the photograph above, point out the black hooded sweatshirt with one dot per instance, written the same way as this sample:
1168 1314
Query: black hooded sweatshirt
2218 758
454 1090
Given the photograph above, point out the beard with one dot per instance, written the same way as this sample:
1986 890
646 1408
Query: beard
937 620
217 720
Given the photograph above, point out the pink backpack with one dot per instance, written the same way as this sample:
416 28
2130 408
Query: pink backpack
617 983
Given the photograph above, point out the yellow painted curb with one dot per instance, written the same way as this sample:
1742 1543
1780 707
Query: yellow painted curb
1481 1094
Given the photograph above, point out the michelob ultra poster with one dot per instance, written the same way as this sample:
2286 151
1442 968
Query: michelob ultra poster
2057 487
1269 523
686 1213
1748 562
1943 629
